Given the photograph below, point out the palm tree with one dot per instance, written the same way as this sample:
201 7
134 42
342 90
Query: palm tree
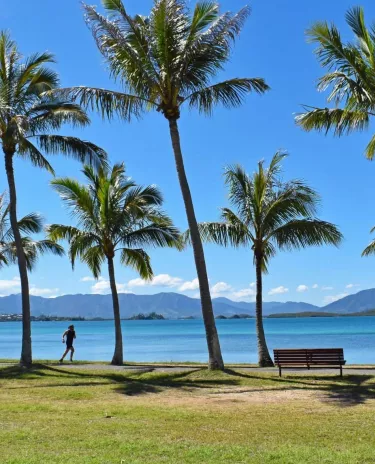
30 224
351 77
163 62
26 121
270 214
113 215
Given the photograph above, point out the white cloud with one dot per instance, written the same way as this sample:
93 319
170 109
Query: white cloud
302 288
278 290
87 279
331 298
103 287
221 287
48 292
352 285
315 286
189 285
327 288
161 280
13 286
244 293
7 287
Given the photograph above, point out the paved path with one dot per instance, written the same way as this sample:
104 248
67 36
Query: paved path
366 370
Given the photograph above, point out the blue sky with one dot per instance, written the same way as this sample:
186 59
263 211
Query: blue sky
272 46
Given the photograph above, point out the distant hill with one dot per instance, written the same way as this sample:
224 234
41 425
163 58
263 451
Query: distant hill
361 301
170 305
173 305
269 307
370 312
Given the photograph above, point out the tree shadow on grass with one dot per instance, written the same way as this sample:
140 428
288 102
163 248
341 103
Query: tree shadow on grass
126 383
346 391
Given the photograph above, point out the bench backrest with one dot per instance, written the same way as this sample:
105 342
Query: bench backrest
307 356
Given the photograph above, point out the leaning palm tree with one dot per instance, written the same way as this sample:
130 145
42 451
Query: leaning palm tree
26 122
166 61
113 215
351 77
30 224
269 214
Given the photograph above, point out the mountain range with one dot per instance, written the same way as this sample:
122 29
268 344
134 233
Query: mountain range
173 305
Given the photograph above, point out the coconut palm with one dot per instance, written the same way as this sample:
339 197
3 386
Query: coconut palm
26 122
113 215
269 214
30 224
350 76
164 62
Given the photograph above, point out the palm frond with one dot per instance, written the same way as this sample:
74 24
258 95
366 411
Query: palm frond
302 233
81 150
28 150
342 121
370 249
47 115
94 258
107 102
48 246
222 233
241 192
139 260
78 199
161 234
230 94
31 224
370 149
356 19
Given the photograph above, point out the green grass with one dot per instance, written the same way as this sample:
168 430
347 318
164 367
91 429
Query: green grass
52 415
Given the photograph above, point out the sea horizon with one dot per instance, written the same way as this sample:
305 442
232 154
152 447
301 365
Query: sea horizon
184 340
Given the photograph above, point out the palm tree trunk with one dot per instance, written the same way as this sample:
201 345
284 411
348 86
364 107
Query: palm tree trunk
264 358
118 356
26 351
214 350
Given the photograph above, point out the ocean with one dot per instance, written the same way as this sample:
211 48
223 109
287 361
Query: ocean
185 340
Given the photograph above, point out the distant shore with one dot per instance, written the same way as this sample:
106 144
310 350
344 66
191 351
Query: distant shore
160 317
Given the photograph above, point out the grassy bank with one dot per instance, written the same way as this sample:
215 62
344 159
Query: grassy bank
55 415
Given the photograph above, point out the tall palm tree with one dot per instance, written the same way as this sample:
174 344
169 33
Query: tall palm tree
269 214
30 224
26 122
114 215
165 61
351 77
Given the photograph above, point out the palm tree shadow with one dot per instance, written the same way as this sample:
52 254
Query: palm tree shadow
348 391
129 384
351 390
357 392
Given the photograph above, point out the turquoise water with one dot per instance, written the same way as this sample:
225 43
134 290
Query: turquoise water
185 340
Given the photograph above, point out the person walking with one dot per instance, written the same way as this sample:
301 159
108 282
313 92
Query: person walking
69 335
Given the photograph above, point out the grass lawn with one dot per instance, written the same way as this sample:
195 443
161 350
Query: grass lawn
52 415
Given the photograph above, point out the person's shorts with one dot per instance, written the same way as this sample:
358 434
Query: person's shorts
68 346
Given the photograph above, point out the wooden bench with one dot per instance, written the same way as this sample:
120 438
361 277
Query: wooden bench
310 357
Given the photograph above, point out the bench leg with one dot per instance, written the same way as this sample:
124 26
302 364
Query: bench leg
340 370
279 370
